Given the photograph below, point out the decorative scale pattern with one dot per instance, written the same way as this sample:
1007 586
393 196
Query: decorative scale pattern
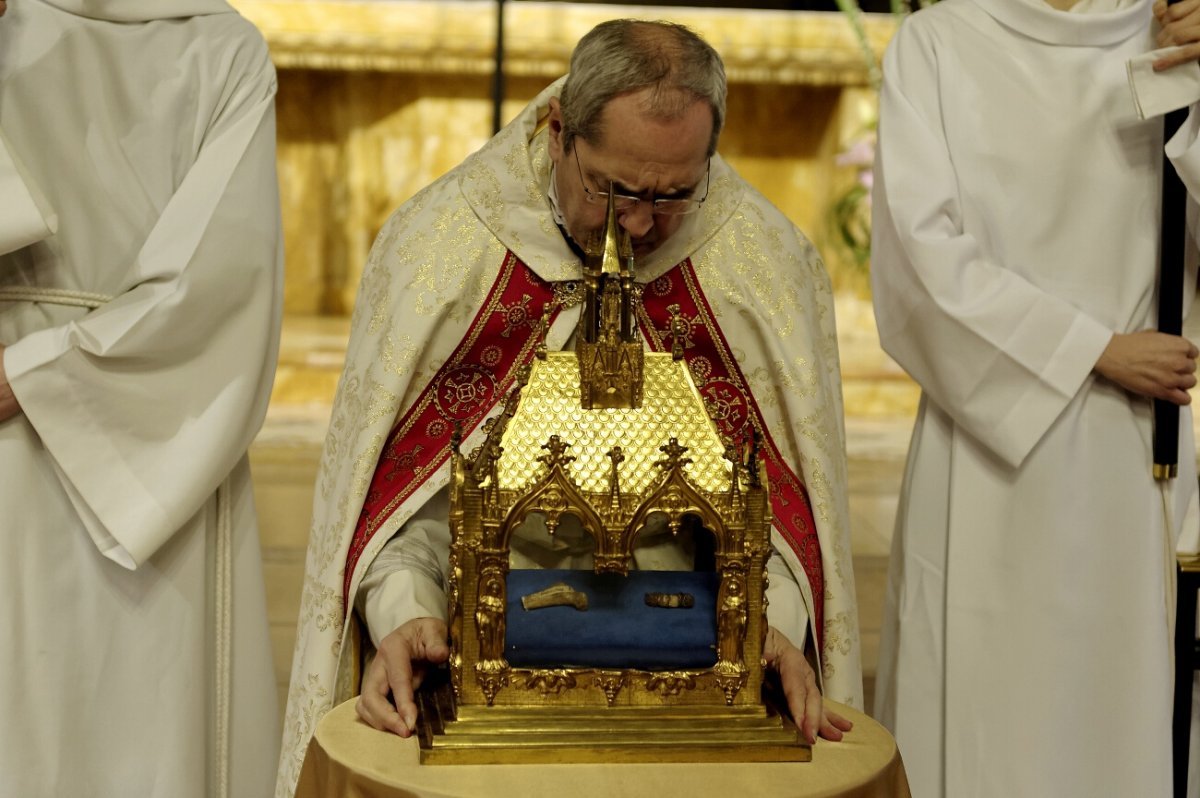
671 407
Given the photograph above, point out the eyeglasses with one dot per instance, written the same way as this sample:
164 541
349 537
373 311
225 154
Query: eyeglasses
666 206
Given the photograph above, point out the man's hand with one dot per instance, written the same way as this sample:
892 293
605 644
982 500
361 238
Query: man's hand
9 406
398 667
1180 26
1150 363
800 688
3 7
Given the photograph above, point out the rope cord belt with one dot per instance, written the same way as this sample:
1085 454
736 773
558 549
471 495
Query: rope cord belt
53 296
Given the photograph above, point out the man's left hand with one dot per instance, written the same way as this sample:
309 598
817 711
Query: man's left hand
799 684
1180 27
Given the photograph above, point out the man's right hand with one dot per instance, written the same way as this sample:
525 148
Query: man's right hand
399 666
1179 26
1152 364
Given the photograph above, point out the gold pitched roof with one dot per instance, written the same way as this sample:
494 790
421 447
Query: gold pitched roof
671 408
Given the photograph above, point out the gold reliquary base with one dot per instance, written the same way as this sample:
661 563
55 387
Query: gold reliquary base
480 735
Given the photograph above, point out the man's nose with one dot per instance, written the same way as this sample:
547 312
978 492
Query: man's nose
639 219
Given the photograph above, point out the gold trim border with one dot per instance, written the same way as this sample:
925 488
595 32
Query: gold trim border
458 37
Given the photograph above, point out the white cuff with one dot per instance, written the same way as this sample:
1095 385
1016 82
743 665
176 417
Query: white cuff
397 599
785 604
1156 93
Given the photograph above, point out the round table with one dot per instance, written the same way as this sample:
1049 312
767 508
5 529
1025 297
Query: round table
349 759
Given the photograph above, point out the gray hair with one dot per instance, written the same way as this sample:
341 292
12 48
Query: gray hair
627 55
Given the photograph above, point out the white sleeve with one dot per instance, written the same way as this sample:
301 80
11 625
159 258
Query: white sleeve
785 605
147 403
27 215
1000 355
1184 151
1158 93
407 579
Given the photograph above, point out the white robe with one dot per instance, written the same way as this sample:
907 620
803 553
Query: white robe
135 657
1027 640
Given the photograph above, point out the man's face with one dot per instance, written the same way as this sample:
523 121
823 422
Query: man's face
642 157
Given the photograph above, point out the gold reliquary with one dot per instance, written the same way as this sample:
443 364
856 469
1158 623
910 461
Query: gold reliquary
609 663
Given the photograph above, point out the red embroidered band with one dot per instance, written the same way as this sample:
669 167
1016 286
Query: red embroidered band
482 370
673 306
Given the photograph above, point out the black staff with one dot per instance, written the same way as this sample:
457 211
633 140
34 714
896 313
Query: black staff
498 75
1170 296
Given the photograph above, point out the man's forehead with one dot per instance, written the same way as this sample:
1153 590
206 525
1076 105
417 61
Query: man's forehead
632 141
647 112
639 169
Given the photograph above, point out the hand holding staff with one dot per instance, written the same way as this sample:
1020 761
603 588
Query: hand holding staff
1180 21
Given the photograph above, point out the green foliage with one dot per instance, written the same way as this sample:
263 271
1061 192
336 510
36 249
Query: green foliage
852 225
851 213
853 13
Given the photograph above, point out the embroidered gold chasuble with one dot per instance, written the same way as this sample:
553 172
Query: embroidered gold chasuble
435 265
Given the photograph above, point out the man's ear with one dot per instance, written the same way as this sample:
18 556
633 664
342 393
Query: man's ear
554 129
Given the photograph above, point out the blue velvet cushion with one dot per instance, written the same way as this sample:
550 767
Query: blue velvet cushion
617 630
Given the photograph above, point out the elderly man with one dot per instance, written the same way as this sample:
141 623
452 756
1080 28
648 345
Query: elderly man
455 286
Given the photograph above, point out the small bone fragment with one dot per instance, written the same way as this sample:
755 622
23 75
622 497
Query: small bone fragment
671 601
557 595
